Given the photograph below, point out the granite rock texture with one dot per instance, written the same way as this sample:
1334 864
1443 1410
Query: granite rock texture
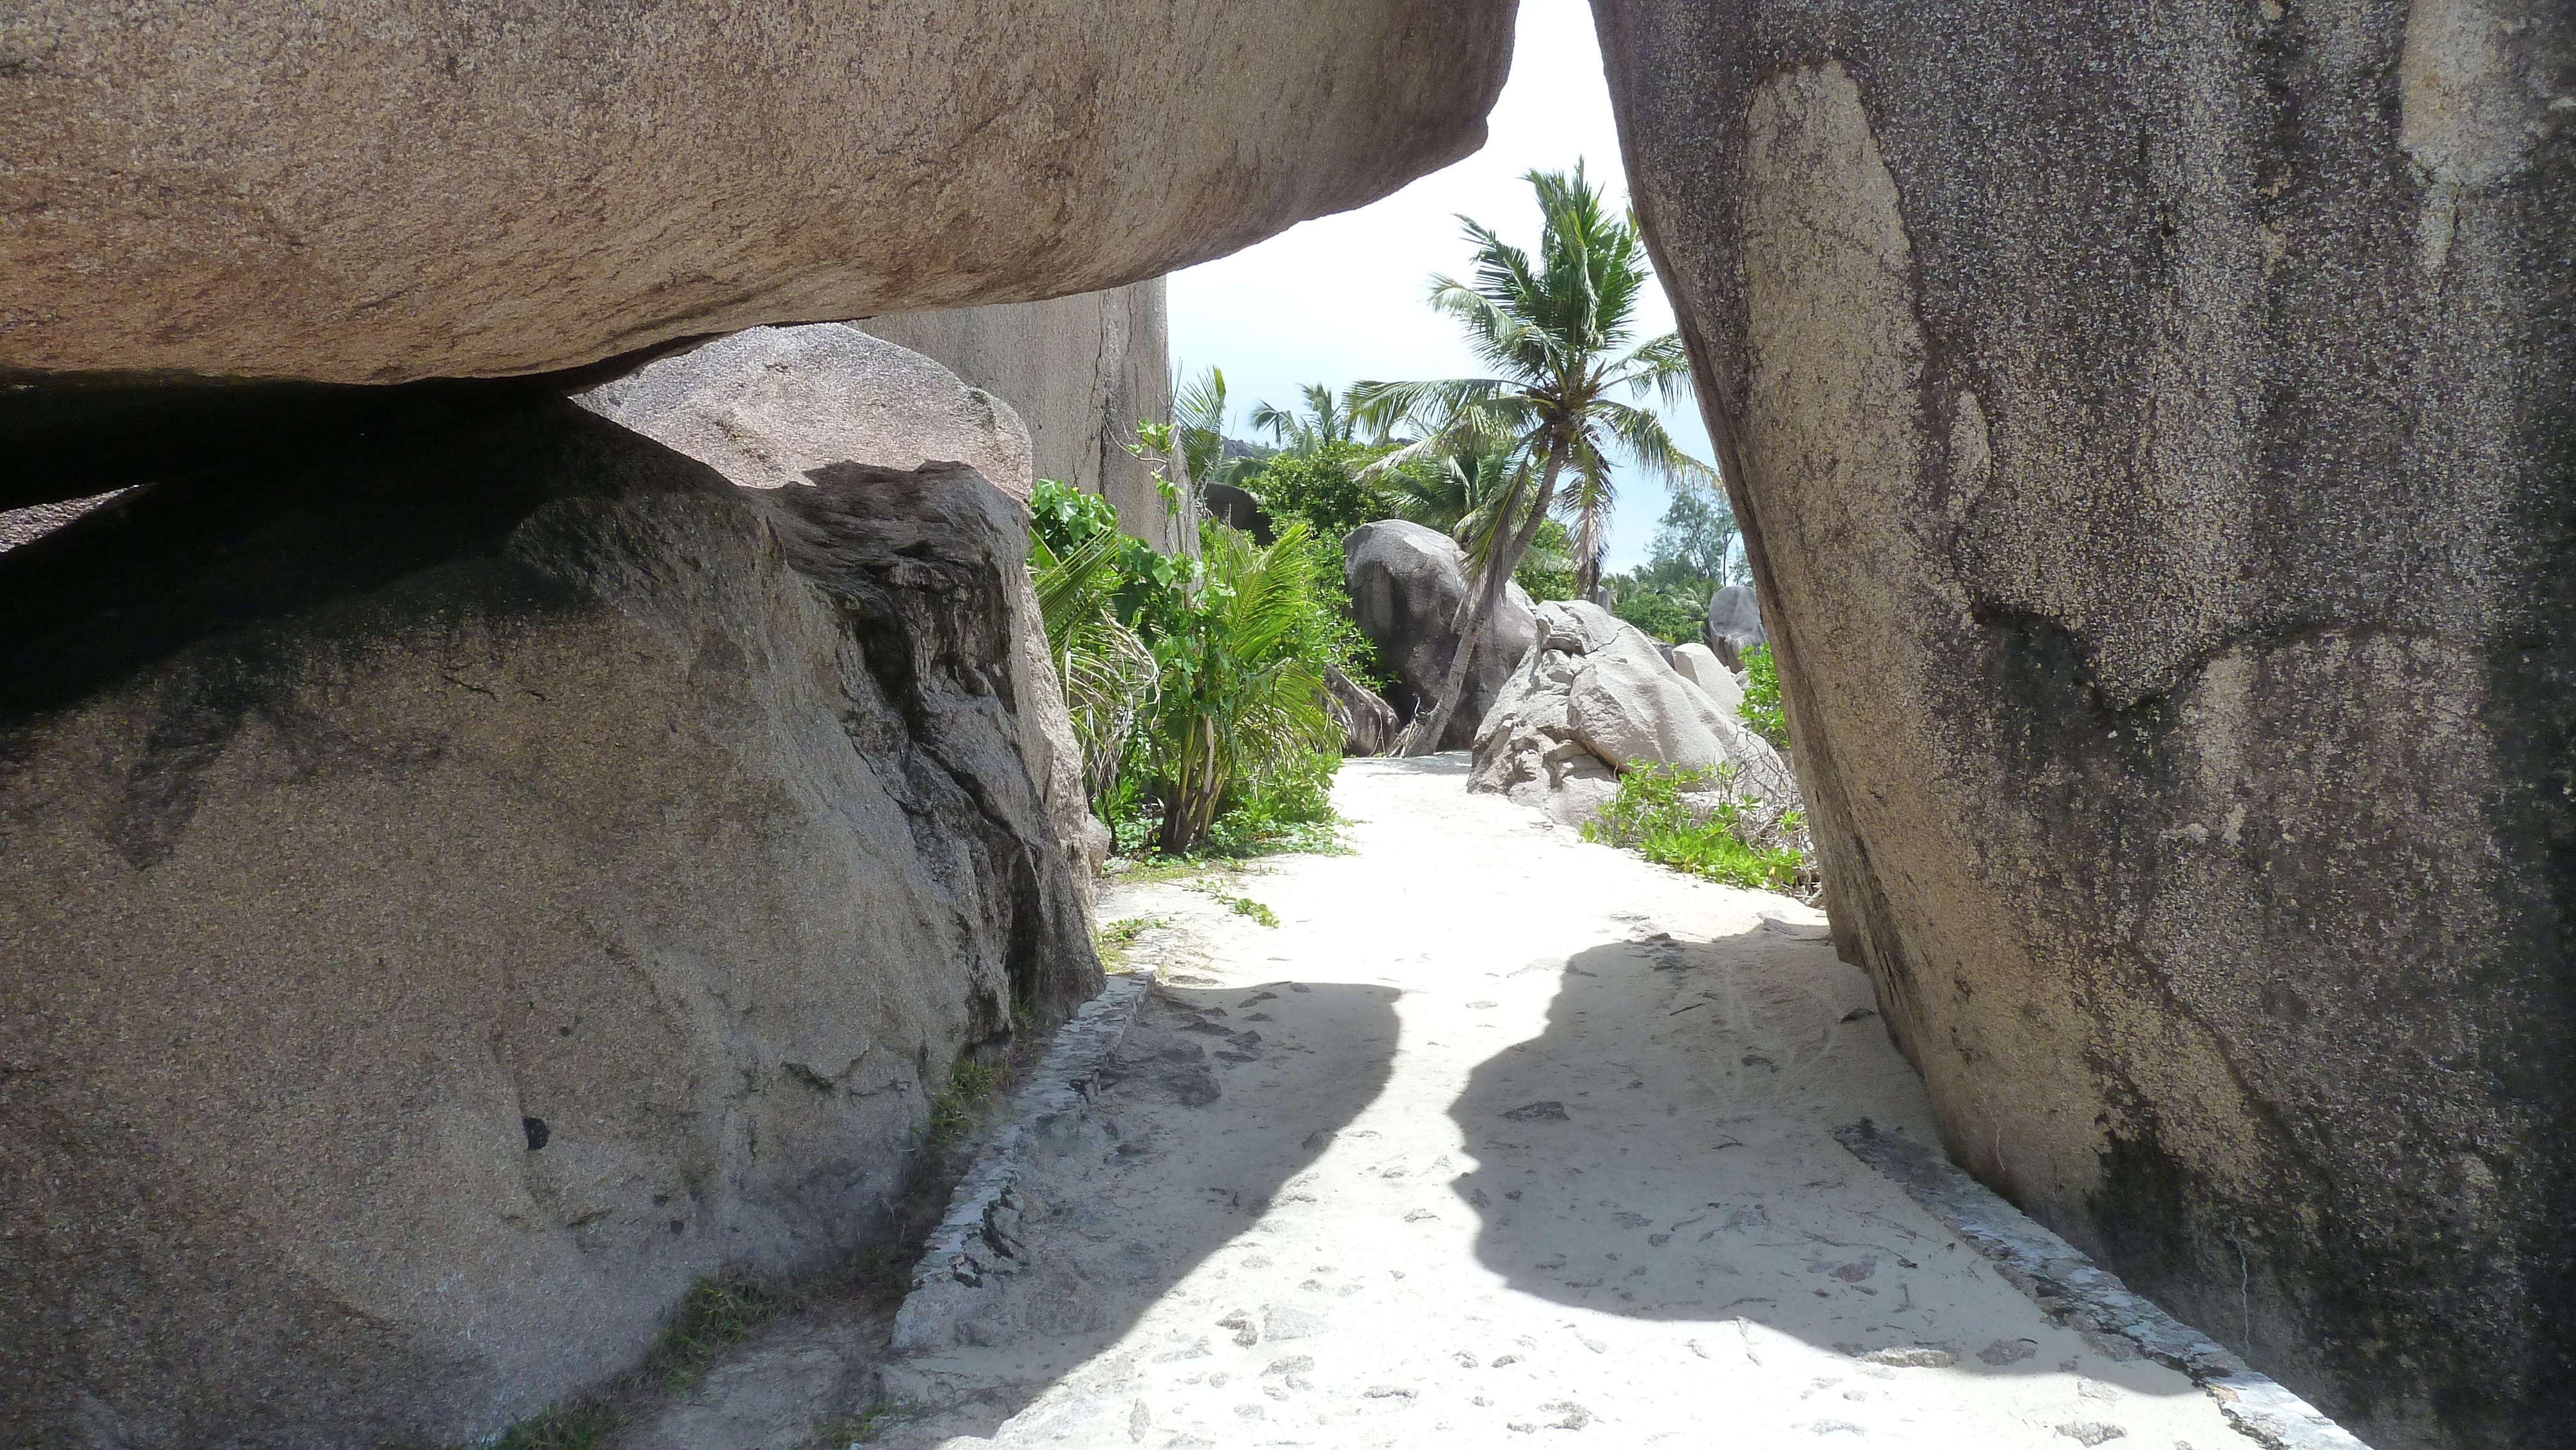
1082 372
790 408
1592 699
1407 583
421 188
1734 624
2149 425
467 878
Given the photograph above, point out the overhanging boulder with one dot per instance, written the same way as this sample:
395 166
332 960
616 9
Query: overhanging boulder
497 187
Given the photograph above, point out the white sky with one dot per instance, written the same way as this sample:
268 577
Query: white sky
1339 298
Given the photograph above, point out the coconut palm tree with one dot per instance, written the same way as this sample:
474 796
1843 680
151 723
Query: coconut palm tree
1327 420
1556 332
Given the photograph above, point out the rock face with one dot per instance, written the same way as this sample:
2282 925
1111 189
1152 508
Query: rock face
790 407
466 880
770 406
506 186
1700 665
1406 584
1592 698
1082 372
1734 624
1368 721
2150 428
1237 509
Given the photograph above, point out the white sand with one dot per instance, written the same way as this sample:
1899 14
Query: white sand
1357 1244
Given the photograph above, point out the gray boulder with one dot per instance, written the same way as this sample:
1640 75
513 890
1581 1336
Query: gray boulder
1593 698
1700 665
1081 372
1368 721
1407 583
788 407
770 406
468 881
491 187
1236 509
1734 624
2152 428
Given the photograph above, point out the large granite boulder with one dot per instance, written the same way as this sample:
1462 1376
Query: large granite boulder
1368 722
790 407
466 879
1734 624
492 187
1406 584
1594 699
2150 427
1700 665
1082 372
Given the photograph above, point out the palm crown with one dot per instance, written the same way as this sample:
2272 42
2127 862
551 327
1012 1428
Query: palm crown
1556 331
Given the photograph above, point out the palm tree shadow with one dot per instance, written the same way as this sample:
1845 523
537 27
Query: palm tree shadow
1663 1151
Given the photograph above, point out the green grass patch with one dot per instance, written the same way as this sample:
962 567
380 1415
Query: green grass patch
1114 940
716 1312
1701 822
958 1106
842 1431
559 1427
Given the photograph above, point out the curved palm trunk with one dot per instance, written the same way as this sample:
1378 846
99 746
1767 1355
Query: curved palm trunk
1489 592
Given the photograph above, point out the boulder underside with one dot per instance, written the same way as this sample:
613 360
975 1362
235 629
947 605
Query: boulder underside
427 188
2149 426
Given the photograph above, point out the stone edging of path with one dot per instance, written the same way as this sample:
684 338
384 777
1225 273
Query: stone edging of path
2076 1291
978 1238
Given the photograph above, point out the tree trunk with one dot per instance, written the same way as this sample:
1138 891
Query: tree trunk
1489 592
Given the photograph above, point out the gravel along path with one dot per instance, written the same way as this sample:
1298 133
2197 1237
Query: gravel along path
1499 1138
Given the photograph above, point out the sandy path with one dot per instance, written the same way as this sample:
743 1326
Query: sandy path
1510 1136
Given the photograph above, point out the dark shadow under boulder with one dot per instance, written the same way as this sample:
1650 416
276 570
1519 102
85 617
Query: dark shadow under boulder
464 880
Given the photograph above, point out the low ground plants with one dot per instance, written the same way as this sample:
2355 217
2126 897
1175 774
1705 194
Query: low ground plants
972 1085
1246 906
1761 708
1704 823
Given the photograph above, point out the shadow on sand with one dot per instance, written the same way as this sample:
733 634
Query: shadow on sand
1138 1207
1662 1151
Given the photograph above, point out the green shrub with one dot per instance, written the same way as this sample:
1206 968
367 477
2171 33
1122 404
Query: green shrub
1761 707
1323 487
1196 684
1670 618
1701 822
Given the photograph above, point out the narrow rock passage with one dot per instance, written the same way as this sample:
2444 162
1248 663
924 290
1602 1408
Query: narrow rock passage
1501 1136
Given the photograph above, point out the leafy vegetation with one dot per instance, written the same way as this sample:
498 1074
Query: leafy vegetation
1197 684
1246 906
972 1085
1761 708
1702 822
1691 558
1326 485
1556 331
